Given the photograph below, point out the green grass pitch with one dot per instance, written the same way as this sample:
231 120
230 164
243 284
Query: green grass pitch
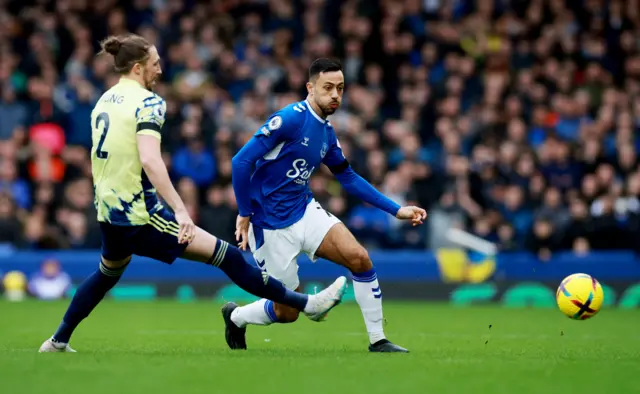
168 347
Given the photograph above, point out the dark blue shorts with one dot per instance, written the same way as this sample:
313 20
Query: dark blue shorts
158 239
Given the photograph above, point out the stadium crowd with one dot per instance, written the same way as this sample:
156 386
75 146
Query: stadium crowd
516 119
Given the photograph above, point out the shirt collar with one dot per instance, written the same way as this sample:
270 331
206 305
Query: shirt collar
130 81
315 115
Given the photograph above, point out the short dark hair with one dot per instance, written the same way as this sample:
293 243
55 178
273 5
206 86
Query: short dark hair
323 65
126 51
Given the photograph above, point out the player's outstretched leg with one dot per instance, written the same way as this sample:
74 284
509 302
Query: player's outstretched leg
341 247
251 279
87 297
262 313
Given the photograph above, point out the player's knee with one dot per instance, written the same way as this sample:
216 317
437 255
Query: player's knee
359 261
286 314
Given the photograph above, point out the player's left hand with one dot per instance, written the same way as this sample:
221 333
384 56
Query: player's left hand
417 215
187 227
242 231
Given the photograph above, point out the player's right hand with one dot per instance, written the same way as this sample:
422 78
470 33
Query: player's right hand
417 215
187 227
242 231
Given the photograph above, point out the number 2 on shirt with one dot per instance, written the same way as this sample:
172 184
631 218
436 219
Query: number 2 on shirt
104 118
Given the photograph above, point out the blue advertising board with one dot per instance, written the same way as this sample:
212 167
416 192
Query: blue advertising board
397 266
444 275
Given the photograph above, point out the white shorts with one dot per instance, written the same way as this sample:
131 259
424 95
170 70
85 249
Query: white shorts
278 250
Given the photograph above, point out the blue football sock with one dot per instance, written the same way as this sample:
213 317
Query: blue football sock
87 297
252 279
270 309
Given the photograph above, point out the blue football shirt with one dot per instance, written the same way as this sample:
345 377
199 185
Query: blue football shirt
298 140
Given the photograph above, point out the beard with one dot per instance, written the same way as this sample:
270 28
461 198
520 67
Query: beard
149 82
327 109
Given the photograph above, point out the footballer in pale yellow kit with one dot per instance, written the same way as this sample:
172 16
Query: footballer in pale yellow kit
123 193
128 174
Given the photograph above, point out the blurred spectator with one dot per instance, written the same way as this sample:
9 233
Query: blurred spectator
506 238
515 211
446 214
10 227
13 114
15 286
79 130
78 232
217 217
16 187
51 283
580 226
369 224
553 210
517 120
194 162
542 241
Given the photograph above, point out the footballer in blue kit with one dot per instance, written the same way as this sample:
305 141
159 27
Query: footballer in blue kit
279 218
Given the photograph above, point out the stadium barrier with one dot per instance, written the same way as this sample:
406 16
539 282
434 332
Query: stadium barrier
514 279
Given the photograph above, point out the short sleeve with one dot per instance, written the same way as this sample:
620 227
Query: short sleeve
280 126
150 116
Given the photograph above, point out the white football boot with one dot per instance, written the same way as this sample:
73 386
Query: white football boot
320 304
50 346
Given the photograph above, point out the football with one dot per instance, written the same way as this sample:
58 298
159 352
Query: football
579 296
